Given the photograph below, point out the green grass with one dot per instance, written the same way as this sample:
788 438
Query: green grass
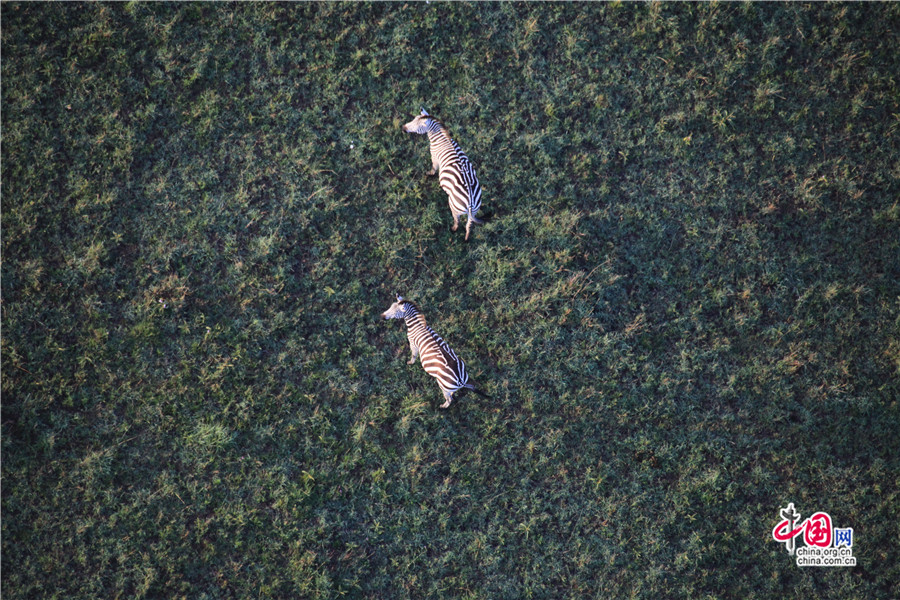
685 306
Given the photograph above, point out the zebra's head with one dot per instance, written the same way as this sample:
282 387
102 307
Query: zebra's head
397 309
420 124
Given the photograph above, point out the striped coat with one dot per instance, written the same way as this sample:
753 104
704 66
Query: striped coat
437 357
456 173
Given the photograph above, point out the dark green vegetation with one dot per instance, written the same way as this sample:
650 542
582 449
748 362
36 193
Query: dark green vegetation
686 304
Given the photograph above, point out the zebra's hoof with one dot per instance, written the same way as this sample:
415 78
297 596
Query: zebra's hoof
411 361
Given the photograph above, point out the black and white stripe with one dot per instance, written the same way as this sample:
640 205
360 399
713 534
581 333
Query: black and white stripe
438 359
456 174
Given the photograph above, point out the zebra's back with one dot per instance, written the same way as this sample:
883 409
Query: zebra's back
438 359
459 181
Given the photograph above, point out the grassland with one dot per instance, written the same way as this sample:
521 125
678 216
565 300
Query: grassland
686 305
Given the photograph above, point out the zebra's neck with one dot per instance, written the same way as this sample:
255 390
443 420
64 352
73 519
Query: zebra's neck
414 318
438 135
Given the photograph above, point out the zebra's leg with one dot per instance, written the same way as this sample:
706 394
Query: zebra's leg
415 353
433 171
448 398
455 223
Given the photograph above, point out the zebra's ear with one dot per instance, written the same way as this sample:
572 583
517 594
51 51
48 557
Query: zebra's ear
424 112
399 298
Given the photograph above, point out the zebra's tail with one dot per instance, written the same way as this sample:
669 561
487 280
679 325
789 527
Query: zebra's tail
469 386
472 219
485 216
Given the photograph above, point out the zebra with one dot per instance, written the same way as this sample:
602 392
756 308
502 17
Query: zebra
457 175
438 359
